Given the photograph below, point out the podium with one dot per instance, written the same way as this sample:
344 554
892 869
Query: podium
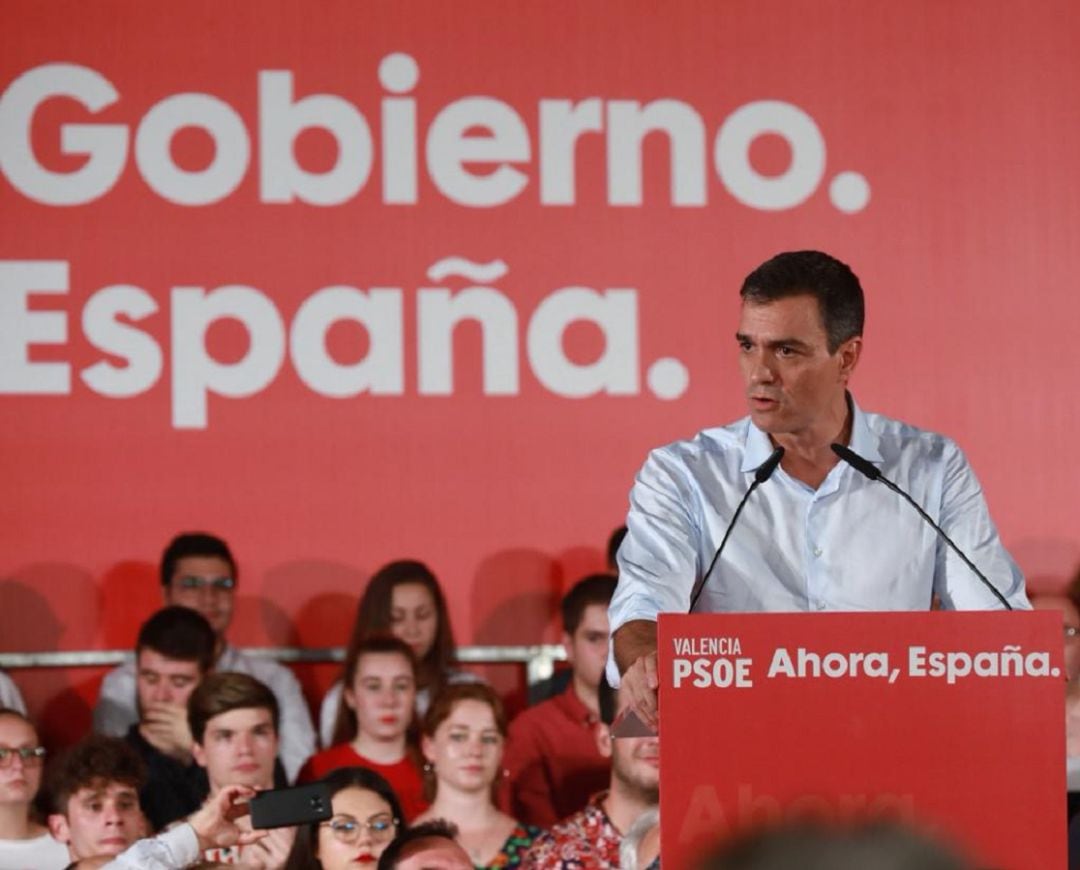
953 721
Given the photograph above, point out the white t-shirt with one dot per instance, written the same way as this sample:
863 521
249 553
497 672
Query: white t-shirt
38 853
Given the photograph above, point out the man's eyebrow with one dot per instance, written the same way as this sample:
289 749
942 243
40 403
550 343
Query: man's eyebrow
776 342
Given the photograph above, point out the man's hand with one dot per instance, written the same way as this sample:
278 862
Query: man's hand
165 727
635 654
271 853
215 822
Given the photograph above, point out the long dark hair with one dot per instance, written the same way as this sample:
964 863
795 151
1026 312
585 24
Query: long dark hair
304 853
373 616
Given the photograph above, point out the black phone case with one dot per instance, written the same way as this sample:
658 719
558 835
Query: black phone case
284 807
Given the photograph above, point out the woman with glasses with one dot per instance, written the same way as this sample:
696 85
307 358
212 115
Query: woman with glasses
366 818
463 736
23 841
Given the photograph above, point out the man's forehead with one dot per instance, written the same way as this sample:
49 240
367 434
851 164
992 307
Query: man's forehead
151 661
101 788
594 617
242 717
202 566
800 312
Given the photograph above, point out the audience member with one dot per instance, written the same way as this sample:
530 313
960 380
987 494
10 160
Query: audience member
591 837
10 698
462 741
24 842
234 728
93 791
403 599
552 756
377 717
198 571
367 816
806 846
430 846
212 827
174 651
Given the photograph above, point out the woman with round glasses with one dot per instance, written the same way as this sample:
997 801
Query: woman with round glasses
463 736
23 841
366 818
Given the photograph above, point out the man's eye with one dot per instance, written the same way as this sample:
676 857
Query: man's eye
784 350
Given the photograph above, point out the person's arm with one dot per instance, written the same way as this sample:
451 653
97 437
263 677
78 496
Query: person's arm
965 517
213 825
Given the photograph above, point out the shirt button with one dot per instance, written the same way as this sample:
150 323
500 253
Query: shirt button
817 551
820 605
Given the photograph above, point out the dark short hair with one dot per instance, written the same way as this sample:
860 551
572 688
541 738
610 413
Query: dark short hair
194 544
594 589
345 725
439 829
94 760
179 633
304 852
221 692
832 283
613 544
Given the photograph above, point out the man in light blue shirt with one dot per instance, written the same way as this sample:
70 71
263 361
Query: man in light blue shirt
817 535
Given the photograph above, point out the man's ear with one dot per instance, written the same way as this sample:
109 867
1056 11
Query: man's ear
58 827
567 641
603 739
849 353
198 753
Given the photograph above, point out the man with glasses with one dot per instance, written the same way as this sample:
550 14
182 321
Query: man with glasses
23 842
198 571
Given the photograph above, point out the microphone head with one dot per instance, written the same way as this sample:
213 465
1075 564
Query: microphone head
864 466
764 471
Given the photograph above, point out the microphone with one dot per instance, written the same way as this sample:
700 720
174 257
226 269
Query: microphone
762 473
871 471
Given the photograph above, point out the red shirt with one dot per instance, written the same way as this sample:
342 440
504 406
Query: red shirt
552 759
403 776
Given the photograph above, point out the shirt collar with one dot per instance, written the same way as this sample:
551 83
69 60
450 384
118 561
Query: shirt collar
757 446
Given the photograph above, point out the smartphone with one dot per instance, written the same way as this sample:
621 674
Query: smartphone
285 807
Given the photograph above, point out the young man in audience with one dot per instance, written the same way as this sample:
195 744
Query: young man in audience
551 752
23 842
234 728
591 837
174 651
198 571
93 791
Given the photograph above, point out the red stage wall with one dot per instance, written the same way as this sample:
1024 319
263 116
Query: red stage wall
236 239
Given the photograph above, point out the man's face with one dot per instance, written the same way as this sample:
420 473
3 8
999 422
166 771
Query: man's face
239 748
587 647
102 819
635 761
793 384
205 584
161 680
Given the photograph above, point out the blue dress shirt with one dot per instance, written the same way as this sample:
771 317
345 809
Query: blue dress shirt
851 544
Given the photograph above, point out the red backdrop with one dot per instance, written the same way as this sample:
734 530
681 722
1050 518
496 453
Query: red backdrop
166 168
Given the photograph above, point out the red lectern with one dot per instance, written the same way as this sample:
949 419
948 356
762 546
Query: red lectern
951 720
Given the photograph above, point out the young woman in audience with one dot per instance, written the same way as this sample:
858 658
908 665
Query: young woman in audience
377 719
23 842
366 818
463 736
403 599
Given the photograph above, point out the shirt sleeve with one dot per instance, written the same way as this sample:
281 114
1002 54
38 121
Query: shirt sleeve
115 712
965 518
658 559
175 848
328 712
